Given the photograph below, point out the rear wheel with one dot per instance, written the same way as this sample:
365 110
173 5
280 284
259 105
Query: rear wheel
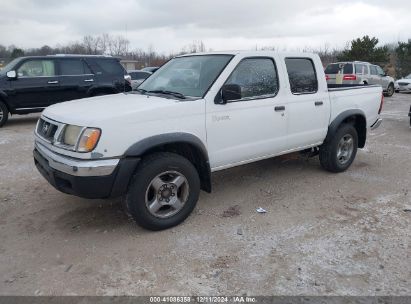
163 191
4 114
339 153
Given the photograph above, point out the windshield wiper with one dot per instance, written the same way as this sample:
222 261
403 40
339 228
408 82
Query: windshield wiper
175 94
142 91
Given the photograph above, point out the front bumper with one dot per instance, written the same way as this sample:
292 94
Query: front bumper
88 179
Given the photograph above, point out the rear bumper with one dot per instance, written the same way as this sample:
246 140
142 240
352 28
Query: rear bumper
376 124
88 179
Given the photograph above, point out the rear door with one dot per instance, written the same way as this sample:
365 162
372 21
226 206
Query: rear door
374 78
308 106
76 78
362 73
252 127
36 85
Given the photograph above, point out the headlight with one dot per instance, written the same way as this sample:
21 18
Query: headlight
79 139
88 140
71 134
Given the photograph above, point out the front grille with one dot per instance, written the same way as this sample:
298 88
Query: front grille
46 130
403 83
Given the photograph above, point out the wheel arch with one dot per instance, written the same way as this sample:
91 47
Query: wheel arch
184 144
3 98
356 118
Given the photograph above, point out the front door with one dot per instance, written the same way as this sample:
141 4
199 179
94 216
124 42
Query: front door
36 85
252 127
383 79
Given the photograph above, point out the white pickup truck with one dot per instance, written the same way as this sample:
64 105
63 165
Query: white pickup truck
200 113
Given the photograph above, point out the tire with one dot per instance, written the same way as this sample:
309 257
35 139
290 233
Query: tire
4 114
337 155
390 90
167 180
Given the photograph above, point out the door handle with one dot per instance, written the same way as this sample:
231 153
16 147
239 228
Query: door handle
88 80
279 108
318 103
53 82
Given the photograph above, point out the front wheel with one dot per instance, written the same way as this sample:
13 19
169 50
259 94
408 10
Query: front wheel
337 154
390 90
4 114
163 191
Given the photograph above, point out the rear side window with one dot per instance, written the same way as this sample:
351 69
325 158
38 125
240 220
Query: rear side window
110 66
337 68
361 69
257 77
37 68
73 67
302 76
139 75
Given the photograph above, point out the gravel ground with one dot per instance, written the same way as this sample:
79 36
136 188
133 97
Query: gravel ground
323 233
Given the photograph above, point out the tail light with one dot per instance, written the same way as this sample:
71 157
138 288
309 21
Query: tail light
350 77
327 77
381 104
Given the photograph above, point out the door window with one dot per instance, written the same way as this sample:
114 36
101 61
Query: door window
71 67
257 78
373 70
139 75
302 76
361 69
37 68
380 71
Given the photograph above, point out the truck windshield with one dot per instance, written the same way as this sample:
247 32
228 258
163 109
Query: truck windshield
189 76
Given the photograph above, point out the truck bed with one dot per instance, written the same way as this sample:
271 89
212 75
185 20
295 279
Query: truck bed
366 98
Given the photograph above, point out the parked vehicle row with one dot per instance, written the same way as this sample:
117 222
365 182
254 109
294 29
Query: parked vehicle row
29 84
359 72
199 114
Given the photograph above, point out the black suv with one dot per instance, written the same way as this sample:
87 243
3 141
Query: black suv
29 84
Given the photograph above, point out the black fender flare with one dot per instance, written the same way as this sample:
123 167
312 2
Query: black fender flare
360 125
143 146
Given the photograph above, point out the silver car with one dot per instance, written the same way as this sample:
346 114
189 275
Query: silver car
403 84
359 72
137 77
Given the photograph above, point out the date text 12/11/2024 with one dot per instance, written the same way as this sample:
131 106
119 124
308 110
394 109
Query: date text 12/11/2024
202 299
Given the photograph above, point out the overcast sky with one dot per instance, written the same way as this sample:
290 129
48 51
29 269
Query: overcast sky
168 25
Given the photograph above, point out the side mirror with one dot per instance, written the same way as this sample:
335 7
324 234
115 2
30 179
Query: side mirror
11 74
230 92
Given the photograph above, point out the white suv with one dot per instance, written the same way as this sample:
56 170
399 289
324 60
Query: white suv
359 72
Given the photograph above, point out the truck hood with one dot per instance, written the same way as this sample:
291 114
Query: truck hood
93 111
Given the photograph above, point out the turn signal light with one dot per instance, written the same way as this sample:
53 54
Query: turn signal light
88 140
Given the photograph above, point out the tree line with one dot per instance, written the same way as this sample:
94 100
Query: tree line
395 58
